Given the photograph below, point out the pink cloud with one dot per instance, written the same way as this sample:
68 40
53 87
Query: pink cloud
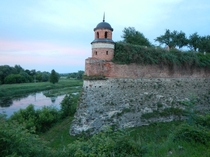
42 54
42 48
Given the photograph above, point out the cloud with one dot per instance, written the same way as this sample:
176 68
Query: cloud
42 54
41 47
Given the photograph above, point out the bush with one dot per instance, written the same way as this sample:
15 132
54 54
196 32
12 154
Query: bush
128 53
68 105
41 120
26 117
193 133
17 141
46 118
203 121
108 143
14 78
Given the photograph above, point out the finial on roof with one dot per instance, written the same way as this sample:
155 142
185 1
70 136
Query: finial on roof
104 17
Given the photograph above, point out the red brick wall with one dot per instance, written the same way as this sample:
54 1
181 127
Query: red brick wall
102 33
103 53
95 66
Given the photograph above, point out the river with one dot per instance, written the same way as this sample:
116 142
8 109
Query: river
39 100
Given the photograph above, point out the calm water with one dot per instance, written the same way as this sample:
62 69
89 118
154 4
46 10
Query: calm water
38 100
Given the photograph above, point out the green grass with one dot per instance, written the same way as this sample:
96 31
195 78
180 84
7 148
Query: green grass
58 136
157 139
16 90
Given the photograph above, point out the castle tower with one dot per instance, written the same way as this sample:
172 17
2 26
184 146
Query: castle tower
103 45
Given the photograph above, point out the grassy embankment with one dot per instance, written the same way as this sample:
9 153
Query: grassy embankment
155 140
64 86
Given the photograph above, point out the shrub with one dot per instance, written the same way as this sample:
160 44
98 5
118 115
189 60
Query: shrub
14 78
46 117
17 141
26 117
107 143
41 120
128 53
68 105
192 133
203 121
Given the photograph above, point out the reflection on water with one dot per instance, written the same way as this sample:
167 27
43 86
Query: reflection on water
38 100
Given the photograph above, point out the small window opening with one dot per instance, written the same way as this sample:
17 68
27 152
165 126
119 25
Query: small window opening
97 35
96 53
106 52
106 34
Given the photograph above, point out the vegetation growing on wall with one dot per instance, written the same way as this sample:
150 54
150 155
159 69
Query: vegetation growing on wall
128 53
164 113
94 77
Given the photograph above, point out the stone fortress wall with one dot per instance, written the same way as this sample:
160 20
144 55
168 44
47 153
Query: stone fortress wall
122 102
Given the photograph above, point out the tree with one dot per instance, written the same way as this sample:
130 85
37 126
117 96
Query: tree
18 68
204 44
5 70
172 39
45 76
68 105
14 78
26 76
194 41
181 40
131 36
54 77
80 74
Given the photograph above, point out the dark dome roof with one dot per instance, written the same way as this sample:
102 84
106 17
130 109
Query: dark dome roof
103 25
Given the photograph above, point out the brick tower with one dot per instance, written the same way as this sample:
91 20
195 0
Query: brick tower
103 45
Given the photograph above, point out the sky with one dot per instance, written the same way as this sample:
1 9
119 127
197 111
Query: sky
56 34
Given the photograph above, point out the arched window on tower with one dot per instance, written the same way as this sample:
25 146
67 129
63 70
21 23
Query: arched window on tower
97 35
106 52
106 33
95 52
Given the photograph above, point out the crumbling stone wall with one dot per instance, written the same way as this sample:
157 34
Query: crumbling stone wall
123 103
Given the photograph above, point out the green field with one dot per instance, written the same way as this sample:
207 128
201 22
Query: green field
62 87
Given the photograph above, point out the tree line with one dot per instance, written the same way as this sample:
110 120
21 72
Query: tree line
171 39
16 74
76 75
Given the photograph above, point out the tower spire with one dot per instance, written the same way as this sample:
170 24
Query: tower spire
104 17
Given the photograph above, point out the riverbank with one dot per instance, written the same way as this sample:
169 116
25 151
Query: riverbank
18 96
16 90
